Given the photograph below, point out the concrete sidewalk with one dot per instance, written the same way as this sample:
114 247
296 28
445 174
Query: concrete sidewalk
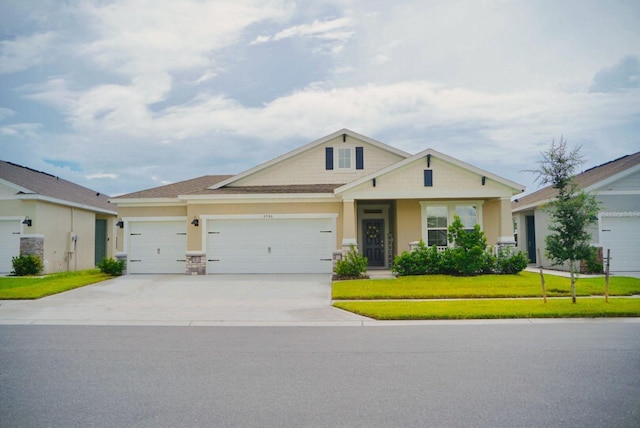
187 300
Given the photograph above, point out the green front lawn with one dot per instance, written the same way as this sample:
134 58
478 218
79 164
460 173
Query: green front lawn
525 284
493 308
30 287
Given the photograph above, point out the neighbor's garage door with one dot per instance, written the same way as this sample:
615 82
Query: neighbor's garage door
270 246
622 236
157 247
9 243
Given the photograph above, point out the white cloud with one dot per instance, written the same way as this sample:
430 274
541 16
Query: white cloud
102 175
142 36
6 112
25 51
20 129
335 33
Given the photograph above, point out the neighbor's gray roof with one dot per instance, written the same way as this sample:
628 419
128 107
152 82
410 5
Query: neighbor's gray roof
47 185
176 189
584 180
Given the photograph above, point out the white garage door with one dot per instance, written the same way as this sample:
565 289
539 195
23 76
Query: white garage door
157 247
622 236
291 245
9 243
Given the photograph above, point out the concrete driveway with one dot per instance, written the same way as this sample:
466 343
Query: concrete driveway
188 300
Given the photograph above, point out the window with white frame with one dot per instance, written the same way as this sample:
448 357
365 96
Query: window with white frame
468 216
344 158
437 222
438 216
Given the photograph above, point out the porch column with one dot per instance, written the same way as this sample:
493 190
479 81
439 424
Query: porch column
349 228
506 239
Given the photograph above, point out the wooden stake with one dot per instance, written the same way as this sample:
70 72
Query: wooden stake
606 276
544 293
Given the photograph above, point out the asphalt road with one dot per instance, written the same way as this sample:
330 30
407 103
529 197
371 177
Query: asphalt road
557 374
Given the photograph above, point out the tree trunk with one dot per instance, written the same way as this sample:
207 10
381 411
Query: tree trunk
573 281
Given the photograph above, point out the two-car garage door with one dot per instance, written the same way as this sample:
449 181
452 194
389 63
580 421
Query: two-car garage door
270 245
621 234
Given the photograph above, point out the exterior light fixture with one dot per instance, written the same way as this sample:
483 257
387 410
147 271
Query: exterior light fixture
195 222
27 221
428 161
120 223
484 180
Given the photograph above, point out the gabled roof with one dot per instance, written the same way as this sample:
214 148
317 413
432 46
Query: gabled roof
174 190
586 180
323 140
515 186
32 184
261 190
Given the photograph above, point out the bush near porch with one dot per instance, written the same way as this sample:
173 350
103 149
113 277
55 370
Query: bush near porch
468 256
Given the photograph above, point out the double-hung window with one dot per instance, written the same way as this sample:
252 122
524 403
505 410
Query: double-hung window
437 226
344 158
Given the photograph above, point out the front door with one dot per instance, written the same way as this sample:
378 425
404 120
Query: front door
101 240
531 238
373 241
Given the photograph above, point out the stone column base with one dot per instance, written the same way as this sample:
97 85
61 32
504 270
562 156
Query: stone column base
196 263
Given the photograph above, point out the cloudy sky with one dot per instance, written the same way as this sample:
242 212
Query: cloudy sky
125 95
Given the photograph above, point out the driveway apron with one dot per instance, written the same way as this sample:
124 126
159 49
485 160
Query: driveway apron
187 300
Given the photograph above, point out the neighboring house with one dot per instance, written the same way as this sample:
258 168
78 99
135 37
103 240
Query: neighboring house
616 185
68 225
300 211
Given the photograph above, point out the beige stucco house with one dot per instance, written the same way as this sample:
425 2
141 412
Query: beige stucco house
71 227
300 211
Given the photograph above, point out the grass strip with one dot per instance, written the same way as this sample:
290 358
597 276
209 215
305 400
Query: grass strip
493 309
32 287
524 284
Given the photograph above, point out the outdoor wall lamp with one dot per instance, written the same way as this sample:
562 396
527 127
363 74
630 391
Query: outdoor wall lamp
484 180
428 161
27 221
120 224
195 222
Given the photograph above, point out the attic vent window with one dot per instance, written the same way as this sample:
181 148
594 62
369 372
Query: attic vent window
428 178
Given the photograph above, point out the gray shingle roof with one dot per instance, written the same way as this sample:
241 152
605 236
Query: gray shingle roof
293 188
47 185
584 180
175 189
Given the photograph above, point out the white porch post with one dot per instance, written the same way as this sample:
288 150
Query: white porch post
506 239
349 228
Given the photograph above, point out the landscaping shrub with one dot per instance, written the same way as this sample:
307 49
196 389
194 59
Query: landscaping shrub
468 248
468 256
353 265
508 262
27 264
112 266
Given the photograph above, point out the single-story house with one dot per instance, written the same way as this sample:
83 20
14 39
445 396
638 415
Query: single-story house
616 186
69 226
297 213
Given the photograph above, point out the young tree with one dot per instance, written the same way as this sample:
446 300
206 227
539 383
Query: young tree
573 211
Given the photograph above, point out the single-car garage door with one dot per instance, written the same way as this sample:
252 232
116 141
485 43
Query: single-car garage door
273 245
622 235
9 243
157 247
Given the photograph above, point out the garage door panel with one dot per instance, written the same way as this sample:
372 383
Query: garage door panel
157 247
621 235
270 246
9 243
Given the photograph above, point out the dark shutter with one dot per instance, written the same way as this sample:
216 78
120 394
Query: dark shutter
428 178
329 158
359 157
